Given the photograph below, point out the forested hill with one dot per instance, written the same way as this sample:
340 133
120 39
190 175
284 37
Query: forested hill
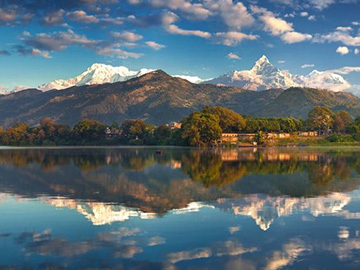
160 98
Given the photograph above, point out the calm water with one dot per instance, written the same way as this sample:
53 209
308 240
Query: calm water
185 209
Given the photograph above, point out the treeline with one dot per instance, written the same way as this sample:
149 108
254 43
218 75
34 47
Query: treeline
325 171
200 128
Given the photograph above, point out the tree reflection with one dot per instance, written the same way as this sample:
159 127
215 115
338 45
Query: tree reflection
140 178
210 169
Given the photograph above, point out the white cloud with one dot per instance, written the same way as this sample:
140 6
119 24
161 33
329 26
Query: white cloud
55 41
7 15
279 27
342 50
356 51
312 18
344 29
233 56
82 17
117 52
321 4
127 36
304 14
195 10
276 26
232 38
295 37
289 15
338 36
44 54
308 66
154 45
281 62
235 15
345 70
173 29
169 18
54 18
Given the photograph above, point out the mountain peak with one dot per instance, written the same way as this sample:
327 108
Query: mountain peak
263 59
96 66
97 73
315 73
264 67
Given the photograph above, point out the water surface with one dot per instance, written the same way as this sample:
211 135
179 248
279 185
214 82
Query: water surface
130 208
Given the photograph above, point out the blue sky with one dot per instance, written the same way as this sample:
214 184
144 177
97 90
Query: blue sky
43 40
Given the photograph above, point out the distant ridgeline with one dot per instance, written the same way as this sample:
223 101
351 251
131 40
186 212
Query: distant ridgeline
212 126
159 98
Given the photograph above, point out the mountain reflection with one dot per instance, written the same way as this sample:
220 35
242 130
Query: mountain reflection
130 208
108 185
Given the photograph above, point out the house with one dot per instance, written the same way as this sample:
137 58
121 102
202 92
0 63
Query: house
112 132
234 138
308 133
275 135
174 125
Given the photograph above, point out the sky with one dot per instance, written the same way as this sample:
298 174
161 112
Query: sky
43 40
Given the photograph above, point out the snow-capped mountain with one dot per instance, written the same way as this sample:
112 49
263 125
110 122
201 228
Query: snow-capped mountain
262 76
265 75
96 74
100 73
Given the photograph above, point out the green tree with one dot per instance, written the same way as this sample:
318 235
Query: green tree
17 135
342 119
136 132
201 129
320 118
252 125
162 135
63 134
230 121
89 131
259 138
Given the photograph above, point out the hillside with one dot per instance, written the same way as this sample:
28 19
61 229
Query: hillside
156 97
297 102
159 98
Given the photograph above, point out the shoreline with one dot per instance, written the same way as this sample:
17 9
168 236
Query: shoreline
334 145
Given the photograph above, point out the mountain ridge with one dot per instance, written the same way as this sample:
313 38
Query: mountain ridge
264 75
159 98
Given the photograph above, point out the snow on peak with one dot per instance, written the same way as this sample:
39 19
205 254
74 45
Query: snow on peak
264 75
314 73
96 74
192 79
262 61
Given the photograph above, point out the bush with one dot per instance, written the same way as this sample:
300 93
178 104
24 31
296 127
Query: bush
340 138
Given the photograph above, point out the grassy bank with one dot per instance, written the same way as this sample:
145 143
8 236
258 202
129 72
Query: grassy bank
332 140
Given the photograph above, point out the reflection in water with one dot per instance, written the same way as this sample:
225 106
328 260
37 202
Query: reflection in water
130 208
265 209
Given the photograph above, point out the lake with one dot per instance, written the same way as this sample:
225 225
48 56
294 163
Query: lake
134 208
